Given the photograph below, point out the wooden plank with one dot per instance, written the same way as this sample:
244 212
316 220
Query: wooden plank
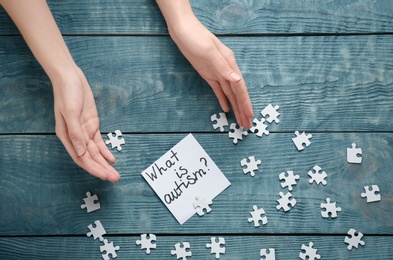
237 247
320 83
222 17
42 189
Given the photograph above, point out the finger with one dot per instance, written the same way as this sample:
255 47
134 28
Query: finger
103 148
221 97
111 174
85 161
227 79
75 132
232 99
237 82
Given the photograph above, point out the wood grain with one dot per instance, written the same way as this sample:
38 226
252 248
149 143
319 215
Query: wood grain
237 247
221 17
42 189
320 83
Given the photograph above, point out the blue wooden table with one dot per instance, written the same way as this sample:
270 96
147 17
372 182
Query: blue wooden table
327 64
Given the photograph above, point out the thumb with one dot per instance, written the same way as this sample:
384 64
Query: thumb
75 133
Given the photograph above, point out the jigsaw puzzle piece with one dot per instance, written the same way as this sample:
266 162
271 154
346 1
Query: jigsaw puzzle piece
285 201
354 155
301 139
182 250
289 179
115 140
110 250
268 254
259 128
202 205
236 132
251 165
217 246
90 203
97 231
257 216
330 209
220 121
146 242
272 113
354 239
309 252
372 193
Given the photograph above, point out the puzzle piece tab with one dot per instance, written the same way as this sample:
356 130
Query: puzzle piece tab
371 194
115 140
354 155
202 205
236 132
90 203
272 113
268 254
309 252
251 165
285 201
354 239
182 250
96 231
217 246
109 249
301 139
220 121
146 242
317 176
257 216
289 179
331 209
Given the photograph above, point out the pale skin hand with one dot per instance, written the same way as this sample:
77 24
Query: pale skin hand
214 61
77 124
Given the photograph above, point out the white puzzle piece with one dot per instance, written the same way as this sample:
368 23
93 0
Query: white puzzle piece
354 155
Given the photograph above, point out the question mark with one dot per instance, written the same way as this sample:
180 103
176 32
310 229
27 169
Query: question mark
203 159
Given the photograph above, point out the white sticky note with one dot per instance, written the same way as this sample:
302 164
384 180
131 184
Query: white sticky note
183 173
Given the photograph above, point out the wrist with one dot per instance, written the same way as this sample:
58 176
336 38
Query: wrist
178 14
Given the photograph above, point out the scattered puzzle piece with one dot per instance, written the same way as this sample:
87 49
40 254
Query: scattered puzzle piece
301 139
96 231
109 249
289 179
146 242
181 250
354 155
371 194
259 128
331 209
354 239
217 246
220 121
202 205
285 201
268 254
90 204
272 113
115 140
257 216
251 165
237 132
317 176
309 252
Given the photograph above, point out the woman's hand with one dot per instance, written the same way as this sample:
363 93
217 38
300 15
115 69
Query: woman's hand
75 110
214 61
77 126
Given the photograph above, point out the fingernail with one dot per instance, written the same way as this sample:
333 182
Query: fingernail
235 77
79 150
